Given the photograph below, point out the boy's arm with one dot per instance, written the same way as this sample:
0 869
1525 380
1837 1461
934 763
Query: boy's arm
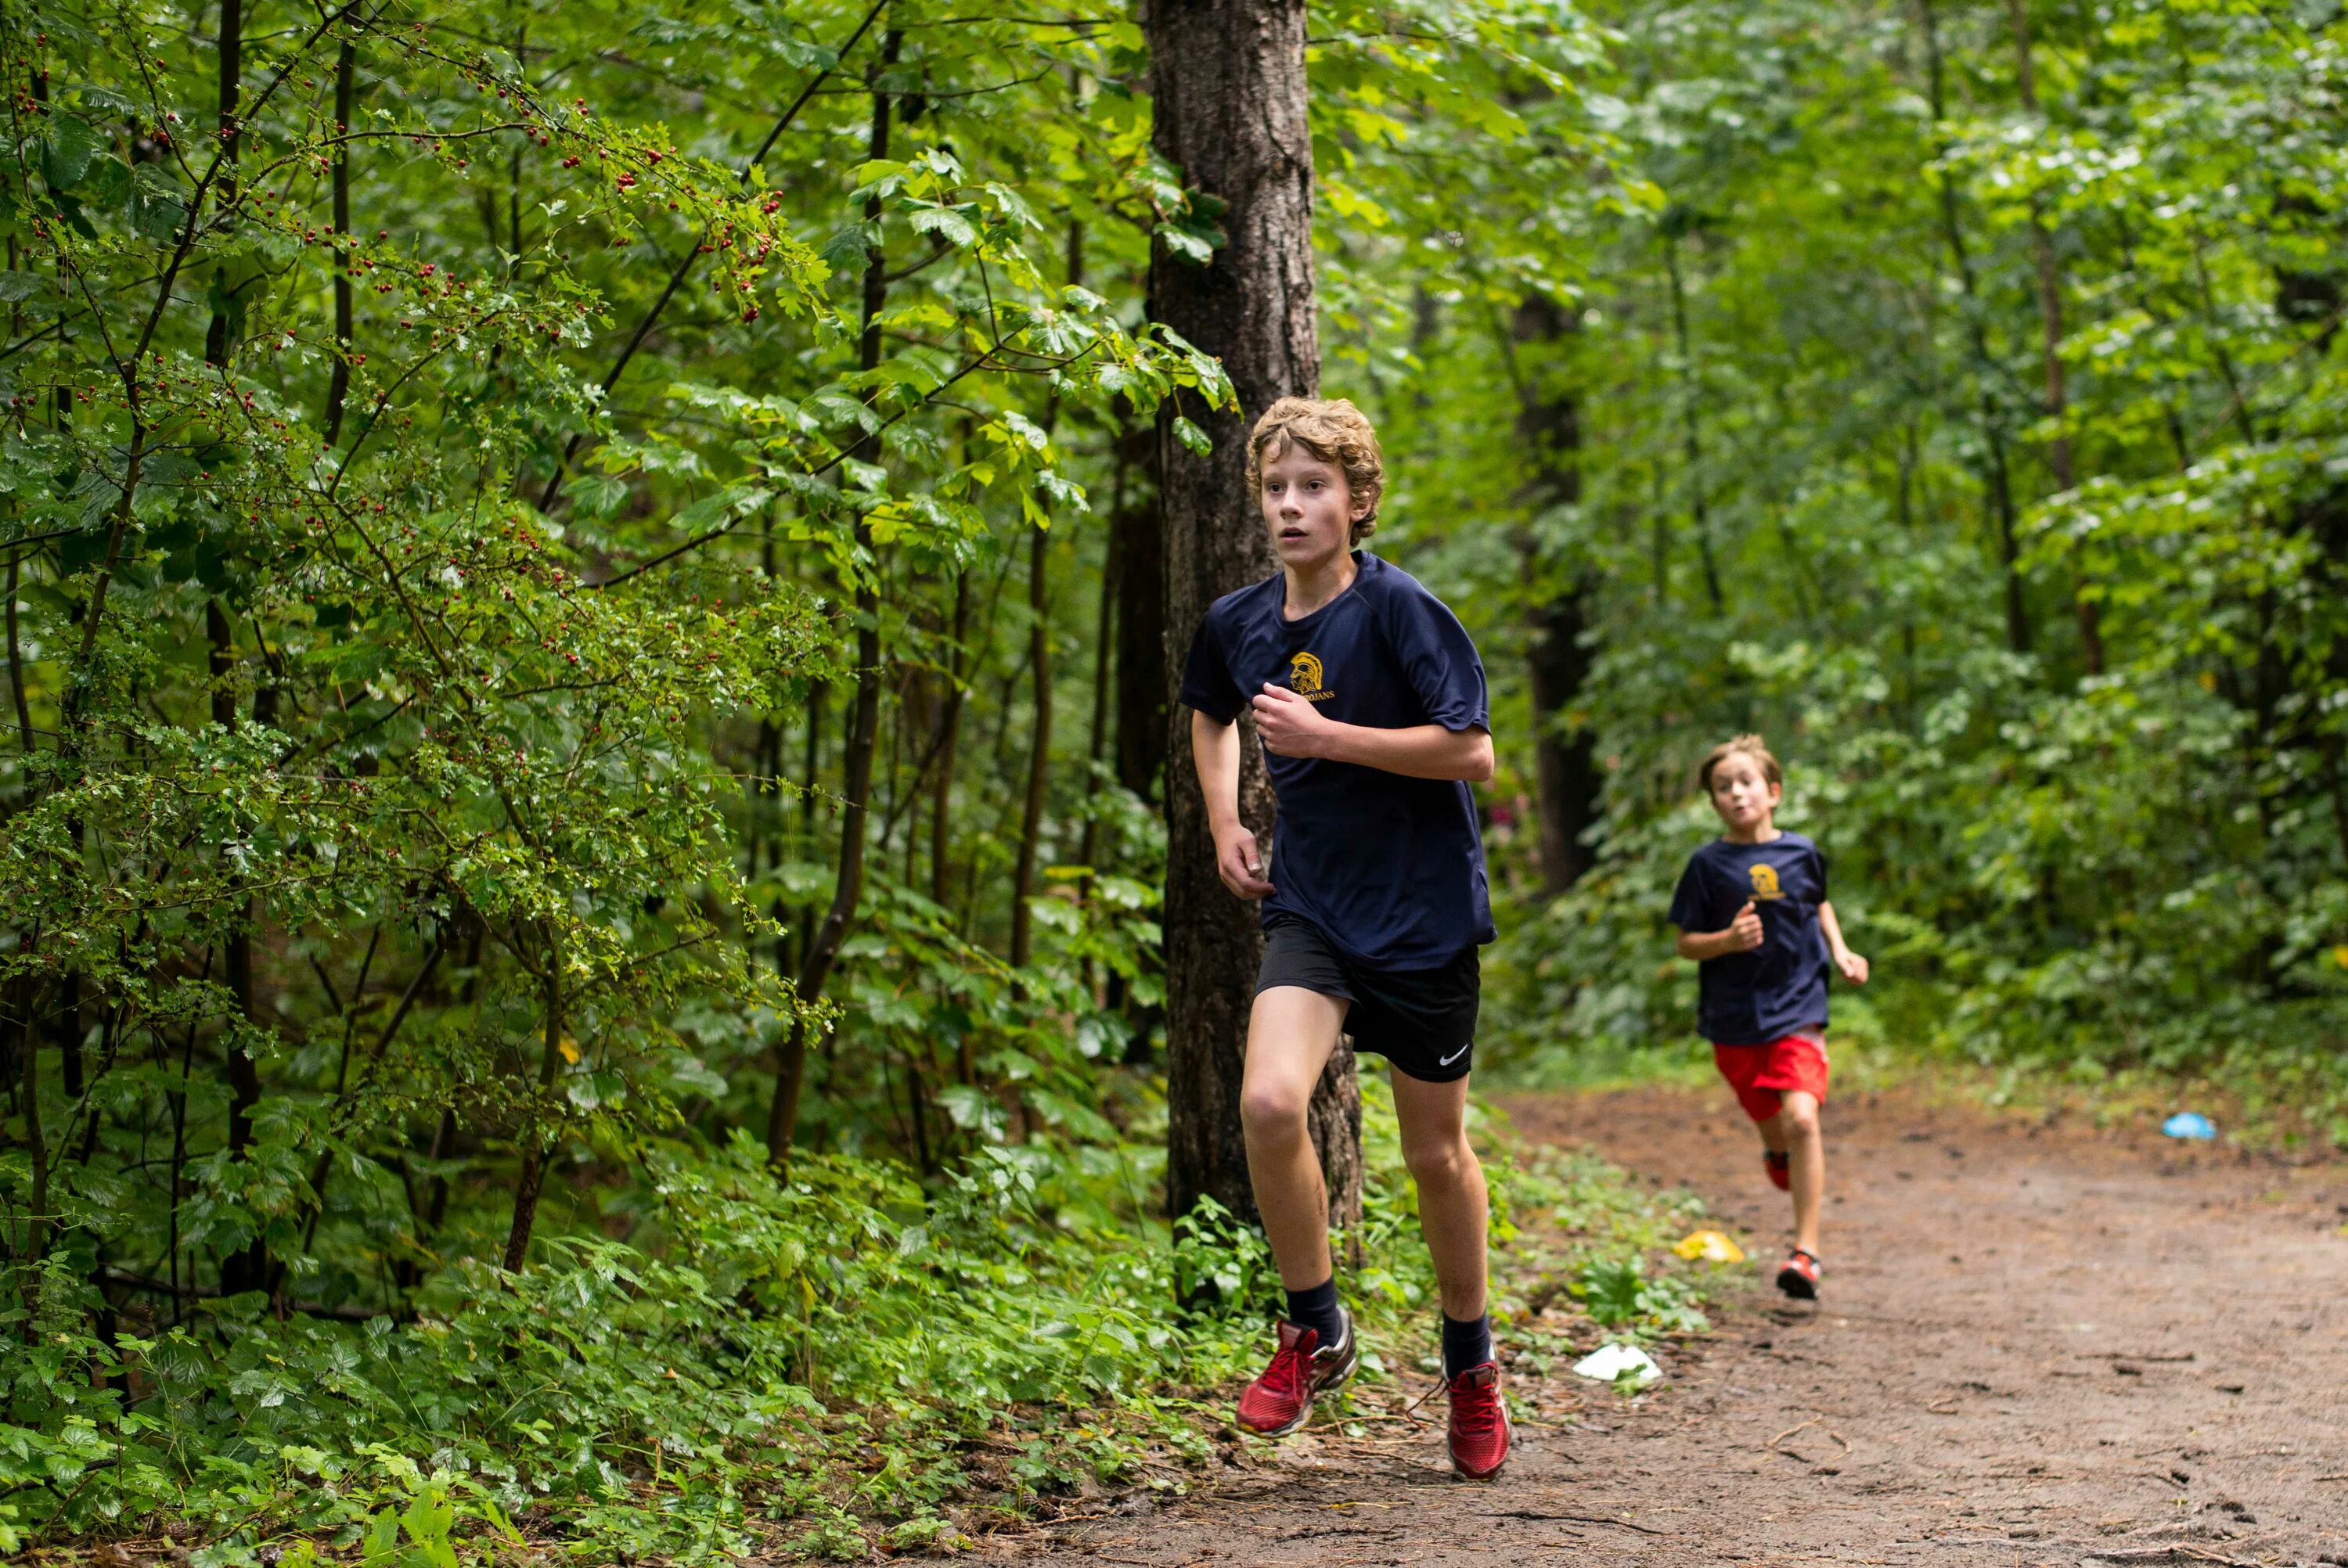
1743 935
1215 749
1291 726
1853 967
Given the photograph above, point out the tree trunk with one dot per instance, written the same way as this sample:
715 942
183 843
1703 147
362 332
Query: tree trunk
247 1269
1999 477
1691 430
2049 270
791 1067
1227 79
1104 671
949 742
1142 681
1565 770
338 383
1039 658
1031 809
219 338
533 1160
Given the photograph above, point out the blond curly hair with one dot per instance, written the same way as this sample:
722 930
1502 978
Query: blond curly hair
1333 430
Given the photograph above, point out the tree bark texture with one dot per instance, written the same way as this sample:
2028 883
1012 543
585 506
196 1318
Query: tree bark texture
1565 768
1140 619
1227 79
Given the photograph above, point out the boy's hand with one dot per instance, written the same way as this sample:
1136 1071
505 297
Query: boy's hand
1744 931
1290 726
1240 865
1853 967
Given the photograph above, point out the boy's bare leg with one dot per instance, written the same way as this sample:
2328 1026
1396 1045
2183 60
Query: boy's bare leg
1796 1129
1452 1209
1292 1034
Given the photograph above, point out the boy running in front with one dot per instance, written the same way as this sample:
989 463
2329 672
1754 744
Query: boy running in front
1369 700
1751 908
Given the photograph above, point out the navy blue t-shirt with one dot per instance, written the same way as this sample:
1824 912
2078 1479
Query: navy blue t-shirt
1754 998
1390 869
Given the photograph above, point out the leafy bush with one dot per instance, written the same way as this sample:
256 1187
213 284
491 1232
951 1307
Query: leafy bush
801 1361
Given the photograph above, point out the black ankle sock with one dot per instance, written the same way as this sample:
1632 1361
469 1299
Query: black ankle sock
1466 1345
1317 1309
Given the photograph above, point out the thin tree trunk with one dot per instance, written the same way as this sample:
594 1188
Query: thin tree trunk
1226 77
533 1160
1565 771
823 952
36 1148
218 343
248 1268
2049 269
1141 674
17 659
1031 811
338 383
949 741
2000 479
1699 502
1039 658
1104 672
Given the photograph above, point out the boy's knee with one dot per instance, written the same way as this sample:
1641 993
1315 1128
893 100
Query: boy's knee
1438 1162
1272 1109
1801 1115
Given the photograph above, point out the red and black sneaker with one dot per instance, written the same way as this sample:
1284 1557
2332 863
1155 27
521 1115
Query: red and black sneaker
1479 1422
1799 1277
1302 1369
1779 1164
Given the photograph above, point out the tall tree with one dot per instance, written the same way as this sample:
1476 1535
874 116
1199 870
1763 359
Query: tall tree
1565 764
1227 79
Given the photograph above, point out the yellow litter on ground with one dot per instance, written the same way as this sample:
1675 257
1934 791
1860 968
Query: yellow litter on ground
1710 1245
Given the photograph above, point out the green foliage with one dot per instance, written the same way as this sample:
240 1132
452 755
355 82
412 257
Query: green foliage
1616 1292
734 1391
1978 440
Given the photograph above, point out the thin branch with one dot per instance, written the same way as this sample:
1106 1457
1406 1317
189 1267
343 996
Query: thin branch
692 256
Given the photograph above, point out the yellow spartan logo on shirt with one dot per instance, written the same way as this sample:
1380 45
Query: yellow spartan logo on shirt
1304 678
1764 881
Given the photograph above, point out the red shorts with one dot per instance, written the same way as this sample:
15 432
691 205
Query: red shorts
1761 1073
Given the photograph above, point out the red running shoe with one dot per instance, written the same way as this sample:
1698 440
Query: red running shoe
1779 1164
1479 1422
1799 1277
1277 1402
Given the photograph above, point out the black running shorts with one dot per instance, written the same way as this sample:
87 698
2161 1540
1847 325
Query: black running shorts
1422 1020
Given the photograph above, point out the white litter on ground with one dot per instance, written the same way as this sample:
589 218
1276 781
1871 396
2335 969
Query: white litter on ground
1608 1362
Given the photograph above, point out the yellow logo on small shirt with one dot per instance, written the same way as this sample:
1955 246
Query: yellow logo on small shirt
1304 678
1765 880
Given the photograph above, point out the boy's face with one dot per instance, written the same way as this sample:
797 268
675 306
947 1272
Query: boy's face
1307 506
1744 799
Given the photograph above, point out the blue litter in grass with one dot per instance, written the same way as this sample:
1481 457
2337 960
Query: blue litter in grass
2190 1125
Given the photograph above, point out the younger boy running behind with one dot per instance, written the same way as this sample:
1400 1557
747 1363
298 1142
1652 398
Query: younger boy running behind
1752 907
1369 700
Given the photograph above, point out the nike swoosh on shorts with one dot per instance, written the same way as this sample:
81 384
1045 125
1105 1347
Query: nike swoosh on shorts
1455 1056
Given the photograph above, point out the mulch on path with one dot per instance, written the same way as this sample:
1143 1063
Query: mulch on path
2039 1345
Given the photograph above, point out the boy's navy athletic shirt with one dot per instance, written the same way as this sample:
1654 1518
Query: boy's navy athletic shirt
1390 869
1752 999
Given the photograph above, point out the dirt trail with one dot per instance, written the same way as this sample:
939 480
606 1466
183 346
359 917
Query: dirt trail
2038 1345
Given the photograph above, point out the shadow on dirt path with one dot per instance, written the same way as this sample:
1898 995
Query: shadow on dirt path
2038 1345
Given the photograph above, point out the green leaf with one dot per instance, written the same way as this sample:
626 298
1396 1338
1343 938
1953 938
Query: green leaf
67 151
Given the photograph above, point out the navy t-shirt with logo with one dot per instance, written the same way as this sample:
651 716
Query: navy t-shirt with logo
1389 868
1754 998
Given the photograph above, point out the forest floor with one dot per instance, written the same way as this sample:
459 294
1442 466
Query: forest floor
2040 1343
